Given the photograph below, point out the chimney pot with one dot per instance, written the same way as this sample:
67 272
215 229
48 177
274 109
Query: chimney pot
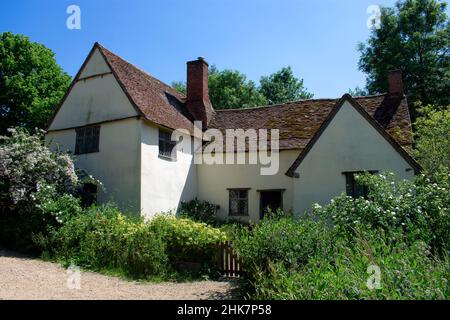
395 84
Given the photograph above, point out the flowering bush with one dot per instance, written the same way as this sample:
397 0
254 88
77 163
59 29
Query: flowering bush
32 178
419 208
25 162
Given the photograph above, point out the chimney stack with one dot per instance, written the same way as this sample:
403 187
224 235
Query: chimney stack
395 82
198 102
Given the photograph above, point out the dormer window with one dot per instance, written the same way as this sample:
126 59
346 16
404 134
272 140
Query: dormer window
166 145
87 140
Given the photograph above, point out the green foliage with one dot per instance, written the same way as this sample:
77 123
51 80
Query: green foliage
200 211
432 147
33 186
419 208
413 37
103 238
406 272
31 83
25 161
230 89
403 228
285 240
358 92
180 86
283 86
187 240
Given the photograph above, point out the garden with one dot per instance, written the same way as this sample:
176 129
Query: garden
393 244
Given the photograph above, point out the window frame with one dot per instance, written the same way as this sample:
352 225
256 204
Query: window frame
165 140
239 198
350 177
84 143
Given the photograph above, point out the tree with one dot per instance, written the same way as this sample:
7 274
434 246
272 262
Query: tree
283 86
414 37
180 86
230 89
358 92
432 147
31 83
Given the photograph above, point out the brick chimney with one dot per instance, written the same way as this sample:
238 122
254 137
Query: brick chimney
395 84
198 102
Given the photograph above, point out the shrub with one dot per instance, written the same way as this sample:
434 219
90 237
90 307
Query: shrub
27 167
187 240
418 208
406 272
285 240
200 211
103 238
25 162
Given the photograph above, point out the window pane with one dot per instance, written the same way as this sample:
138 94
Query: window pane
238 202
87 140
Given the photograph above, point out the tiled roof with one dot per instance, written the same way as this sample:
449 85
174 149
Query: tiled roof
154 100
299 121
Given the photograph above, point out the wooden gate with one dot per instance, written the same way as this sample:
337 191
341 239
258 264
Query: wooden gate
229 263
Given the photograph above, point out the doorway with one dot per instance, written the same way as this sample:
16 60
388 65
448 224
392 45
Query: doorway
270 200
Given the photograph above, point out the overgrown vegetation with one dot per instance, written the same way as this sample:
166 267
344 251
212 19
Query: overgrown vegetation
103 238
200 211
27 169
402 228
41 213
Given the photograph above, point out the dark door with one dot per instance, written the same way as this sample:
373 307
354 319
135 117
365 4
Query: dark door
272 200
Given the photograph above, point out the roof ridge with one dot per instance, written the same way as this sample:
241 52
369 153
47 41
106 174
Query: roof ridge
279 104
301 101
140 70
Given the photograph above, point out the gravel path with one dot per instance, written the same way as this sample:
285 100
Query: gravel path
25 278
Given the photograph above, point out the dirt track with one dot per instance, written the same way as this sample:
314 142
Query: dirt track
25 278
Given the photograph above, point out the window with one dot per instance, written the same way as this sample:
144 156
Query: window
166 145
238 202
353 188
87 139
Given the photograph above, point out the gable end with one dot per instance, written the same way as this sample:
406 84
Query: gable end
405 155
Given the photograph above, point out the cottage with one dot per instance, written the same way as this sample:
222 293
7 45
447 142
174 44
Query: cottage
117 120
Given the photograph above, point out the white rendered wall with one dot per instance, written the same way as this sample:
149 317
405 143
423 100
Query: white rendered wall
116 165
349 143
165 183
214 181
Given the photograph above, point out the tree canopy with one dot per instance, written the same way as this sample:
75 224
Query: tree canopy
414 37
31 83
432 147
283 86
230 89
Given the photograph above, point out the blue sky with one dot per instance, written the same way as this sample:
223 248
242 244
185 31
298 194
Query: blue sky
318 39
